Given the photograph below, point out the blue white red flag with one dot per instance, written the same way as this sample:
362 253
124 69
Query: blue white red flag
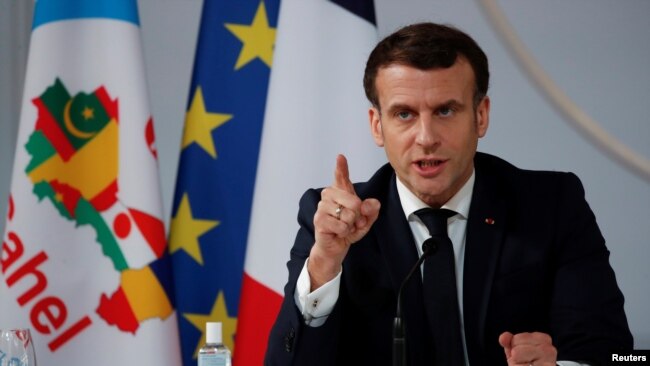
316 109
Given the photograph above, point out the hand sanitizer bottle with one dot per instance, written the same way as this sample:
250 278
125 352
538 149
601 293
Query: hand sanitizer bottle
214 352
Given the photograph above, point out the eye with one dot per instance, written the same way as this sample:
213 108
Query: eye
445 112
404 115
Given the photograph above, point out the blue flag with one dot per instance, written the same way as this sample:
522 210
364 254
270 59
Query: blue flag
218 162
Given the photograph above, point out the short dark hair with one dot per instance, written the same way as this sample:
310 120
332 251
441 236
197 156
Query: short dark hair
426 46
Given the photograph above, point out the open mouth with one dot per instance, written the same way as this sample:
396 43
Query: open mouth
429 163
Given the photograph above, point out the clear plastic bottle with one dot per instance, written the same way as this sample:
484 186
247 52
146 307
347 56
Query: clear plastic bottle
214 352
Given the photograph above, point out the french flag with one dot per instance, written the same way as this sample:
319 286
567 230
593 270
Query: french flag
315 109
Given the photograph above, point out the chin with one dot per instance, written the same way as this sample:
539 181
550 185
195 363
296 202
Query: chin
429 191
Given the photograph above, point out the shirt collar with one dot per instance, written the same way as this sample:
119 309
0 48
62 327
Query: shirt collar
459 202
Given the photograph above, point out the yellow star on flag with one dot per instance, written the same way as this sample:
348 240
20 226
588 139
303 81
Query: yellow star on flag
88 113
199 124
186 230
258 39
219 313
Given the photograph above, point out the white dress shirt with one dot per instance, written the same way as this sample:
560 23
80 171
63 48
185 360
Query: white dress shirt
317 305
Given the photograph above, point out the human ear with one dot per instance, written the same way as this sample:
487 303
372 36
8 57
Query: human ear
374 115
483 116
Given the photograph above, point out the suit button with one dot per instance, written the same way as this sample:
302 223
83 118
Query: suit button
288 340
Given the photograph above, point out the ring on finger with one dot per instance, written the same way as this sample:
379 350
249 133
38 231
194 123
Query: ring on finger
337 213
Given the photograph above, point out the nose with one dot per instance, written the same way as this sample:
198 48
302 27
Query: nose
426 134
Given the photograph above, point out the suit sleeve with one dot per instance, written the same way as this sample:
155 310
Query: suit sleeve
291 342
588 319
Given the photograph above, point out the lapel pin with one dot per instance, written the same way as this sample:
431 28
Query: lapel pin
489 221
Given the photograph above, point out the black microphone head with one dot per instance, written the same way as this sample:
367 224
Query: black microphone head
429 246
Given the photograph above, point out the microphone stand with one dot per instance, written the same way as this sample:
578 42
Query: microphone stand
399 341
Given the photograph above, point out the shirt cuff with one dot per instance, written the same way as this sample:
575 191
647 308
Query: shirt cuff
316 306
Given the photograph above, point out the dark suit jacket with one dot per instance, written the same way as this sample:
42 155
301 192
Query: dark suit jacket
539 264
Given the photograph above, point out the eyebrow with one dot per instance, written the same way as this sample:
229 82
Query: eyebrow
398 107
451 103
446 104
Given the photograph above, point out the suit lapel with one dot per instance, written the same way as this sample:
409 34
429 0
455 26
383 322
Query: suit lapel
395 238
485 231
397 246
391 230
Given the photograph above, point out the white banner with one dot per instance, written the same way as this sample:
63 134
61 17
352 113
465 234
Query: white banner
84 262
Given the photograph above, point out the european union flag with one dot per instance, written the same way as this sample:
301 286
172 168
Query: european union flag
218 162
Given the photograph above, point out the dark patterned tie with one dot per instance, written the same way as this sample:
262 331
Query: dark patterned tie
439 286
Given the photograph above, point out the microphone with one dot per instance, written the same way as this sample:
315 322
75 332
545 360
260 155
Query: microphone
399 341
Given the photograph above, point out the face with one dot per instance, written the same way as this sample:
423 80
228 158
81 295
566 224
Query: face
428 127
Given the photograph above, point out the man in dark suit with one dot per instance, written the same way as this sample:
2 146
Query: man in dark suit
533 284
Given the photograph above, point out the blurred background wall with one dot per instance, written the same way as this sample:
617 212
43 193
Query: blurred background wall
596 51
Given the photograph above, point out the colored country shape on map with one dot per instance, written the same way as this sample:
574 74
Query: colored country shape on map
76 143
74 152
142 295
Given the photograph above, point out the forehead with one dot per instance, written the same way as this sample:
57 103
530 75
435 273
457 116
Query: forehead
403 84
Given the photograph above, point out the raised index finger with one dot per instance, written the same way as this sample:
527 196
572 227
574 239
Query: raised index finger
342 175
